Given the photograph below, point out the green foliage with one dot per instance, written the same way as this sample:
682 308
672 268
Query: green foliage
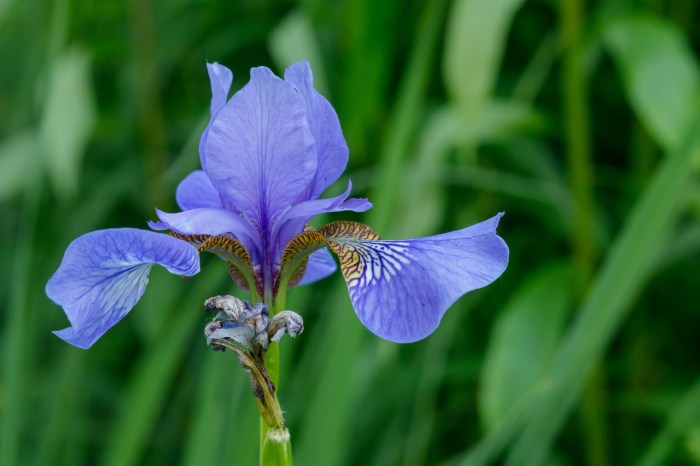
474 44
661 74
67 120
523 341
453 110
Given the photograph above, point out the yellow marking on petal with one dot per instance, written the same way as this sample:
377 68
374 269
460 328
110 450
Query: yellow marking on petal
299 273
235 255
195 240
226 247
344 239
306 241
295 257
348 230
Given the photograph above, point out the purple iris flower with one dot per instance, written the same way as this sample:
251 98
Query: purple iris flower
267 155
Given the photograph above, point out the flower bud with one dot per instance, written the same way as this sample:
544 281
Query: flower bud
285 322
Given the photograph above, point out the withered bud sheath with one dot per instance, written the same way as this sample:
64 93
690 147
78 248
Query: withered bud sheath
285 322
248 330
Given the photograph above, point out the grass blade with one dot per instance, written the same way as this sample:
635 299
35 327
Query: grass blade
474 44
146 392
620 280
522 342
661 74
684 416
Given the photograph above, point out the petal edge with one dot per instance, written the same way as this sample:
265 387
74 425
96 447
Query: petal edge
401 289
196 191
331 148
104 273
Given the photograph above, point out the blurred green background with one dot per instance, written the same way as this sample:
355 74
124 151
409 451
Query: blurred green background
580 121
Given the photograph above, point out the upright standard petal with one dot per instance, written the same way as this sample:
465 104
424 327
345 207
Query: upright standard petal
401 289
331 147
196 191
260 154
104 273
221 79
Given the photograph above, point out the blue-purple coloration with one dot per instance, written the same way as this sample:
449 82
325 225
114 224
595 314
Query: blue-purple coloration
406 286
104 273
267 155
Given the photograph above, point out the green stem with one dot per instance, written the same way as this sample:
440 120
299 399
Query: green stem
276 448
275 442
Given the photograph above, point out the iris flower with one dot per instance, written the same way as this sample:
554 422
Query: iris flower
267 155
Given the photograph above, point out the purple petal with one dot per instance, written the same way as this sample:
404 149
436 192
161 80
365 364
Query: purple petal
311 208
321 264
331 147
296 217
104 273
401 289
196 191
208 221
260 154
221 79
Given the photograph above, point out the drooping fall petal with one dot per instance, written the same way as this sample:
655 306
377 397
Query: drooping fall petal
104 273
401 289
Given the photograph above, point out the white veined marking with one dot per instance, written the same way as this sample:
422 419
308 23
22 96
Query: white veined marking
382 261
